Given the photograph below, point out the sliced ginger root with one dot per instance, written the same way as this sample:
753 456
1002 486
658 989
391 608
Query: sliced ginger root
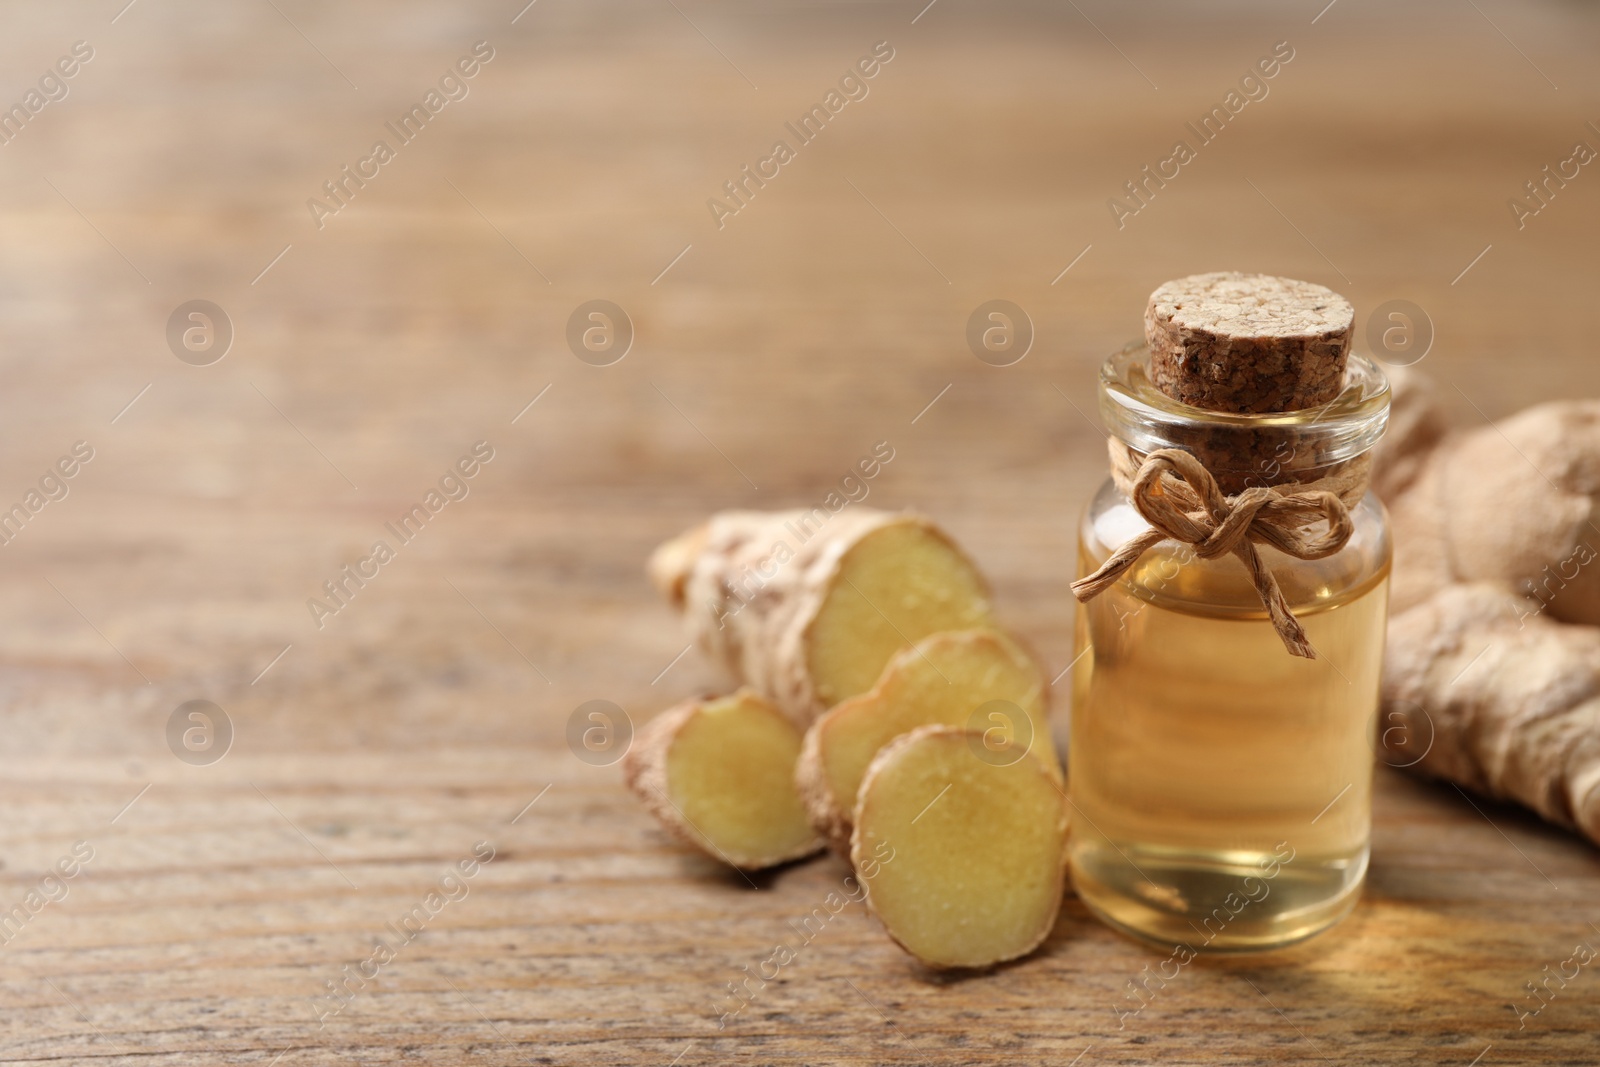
806 607
719 775
970 853
903 581
943 679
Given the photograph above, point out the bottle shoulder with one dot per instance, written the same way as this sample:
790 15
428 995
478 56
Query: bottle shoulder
1170 571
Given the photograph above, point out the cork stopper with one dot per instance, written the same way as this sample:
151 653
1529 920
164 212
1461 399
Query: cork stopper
1247 343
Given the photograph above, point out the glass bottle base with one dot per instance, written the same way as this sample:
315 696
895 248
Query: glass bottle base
1215 901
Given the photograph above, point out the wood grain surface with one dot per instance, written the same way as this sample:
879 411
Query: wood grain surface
372 754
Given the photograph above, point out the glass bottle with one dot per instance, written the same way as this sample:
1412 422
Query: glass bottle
1221 787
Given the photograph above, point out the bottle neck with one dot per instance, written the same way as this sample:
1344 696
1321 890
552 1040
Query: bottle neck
1327 444
1348 480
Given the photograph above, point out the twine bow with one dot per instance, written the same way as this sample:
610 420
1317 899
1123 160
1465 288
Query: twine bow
1181 501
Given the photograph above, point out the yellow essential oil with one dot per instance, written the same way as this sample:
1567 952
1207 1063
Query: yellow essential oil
1221 788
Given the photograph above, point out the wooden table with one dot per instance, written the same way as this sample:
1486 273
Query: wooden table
429 713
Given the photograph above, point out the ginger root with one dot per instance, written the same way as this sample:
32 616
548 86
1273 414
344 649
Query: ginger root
978 849
1517 502
943 679
719 775
958 835
806 607
1492 673
1481 691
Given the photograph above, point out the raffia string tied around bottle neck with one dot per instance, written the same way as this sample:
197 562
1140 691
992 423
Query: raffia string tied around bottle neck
1181 501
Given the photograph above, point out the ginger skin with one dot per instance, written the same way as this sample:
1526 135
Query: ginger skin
807 607
1516 503
1482 691
1492 673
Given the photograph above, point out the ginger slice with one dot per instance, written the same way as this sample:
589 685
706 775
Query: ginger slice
899 583
806 607
948 679
968 855
719 775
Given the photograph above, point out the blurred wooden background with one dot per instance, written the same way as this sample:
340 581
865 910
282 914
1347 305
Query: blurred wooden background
828 314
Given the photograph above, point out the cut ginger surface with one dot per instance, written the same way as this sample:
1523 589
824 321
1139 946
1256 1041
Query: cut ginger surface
719 774
977 847
898 583
806 608
976 678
